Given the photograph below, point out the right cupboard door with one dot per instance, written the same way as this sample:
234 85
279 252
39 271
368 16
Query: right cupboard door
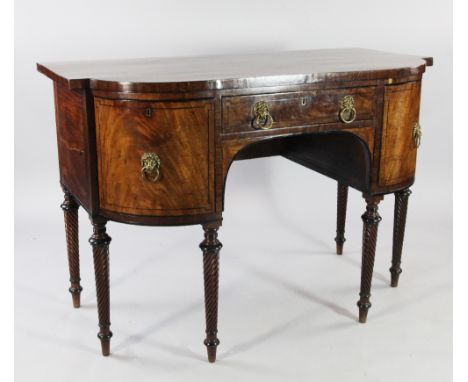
401 114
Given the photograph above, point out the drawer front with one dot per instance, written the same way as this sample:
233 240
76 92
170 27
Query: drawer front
154 157
248 113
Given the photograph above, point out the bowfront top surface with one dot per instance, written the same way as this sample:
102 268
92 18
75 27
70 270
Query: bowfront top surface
234 71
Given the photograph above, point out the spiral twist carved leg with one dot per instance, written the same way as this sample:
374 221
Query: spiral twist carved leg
342 201
70 211
211 247
371 220
100 242
399 223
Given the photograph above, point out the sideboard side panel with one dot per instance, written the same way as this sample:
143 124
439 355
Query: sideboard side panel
71 121
398 155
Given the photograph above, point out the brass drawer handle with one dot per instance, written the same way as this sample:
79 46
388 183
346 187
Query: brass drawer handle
347 111
262 118
150 165
417 134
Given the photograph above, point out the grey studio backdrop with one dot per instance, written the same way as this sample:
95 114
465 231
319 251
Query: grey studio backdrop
287 302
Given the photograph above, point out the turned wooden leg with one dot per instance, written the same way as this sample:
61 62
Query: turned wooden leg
342 201
371 219
399 222
100 241
70 211
211 247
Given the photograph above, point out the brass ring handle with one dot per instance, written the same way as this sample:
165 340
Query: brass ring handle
262 118
347 112
417 134
150 167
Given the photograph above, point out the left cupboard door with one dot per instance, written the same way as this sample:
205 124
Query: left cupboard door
155 158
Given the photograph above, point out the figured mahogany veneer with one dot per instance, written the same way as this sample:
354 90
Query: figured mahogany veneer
398 161
297 109
181 133
72 134
350 114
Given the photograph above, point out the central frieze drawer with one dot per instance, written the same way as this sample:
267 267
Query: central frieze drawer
267 111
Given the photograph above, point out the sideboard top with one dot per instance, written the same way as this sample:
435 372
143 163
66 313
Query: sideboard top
234 71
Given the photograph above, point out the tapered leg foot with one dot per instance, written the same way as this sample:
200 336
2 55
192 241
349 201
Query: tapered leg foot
211 349
76 299
339 248
342 201
70 211
399 223
395 277
371 220
211 247
100 242
105 343
364 307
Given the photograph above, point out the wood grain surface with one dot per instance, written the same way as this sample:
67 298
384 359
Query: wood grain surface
234 71
297 109
398 160
70 109
179 133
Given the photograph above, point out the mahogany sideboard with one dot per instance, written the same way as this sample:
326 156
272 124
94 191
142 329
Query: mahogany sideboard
150 142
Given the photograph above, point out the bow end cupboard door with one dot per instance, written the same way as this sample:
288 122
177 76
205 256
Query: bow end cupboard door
400 125
155 158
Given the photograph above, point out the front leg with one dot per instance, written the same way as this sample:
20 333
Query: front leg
371 220
100 241
211 247
70 212
399 223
